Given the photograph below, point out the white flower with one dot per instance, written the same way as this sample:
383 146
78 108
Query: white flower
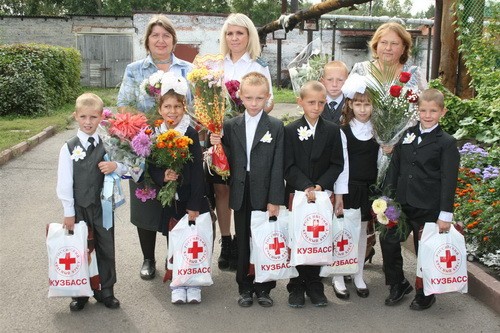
379 206
409 138
304 133
144 86
461 7
465 31
382 219
156 77
266 138
78 154
470 19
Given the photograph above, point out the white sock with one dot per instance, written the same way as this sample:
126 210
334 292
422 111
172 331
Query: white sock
338 281
358 277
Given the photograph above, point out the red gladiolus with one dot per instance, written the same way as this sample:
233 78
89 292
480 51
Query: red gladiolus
404 77
395 91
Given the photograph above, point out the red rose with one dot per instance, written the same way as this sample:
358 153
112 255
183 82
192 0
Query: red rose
411 96
395 91
404 77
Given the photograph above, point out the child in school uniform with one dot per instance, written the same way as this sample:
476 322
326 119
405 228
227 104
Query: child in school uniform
80 178
190 199
335 74
423 177
363 152
253 143
311 164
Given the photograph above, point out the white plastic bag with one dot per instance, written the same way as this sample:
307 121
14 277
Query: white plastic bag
442 261
345 244
270 250
68 261
311 230
190 248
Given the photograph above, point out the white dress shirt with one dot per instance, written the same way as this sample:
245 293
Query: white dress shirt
244 65
250 128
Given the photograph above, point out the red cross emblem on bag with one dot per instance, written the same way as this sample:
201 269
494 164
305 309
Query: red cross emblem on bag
315 228
194 250
69 261
447 258
343 243
275 246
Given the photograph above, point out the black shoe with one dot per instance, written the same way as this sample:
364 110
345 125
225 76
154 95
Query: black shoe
397 292
78 303
342 294
370 255
422 302
225 253
317 298
296 298
233 263
111 302
148 270
362 292
264 299
246 299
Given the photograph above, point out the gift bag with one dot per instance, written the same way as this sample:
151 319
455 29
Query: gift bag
346 231
190 252
270 251
311 234
68 261
442 261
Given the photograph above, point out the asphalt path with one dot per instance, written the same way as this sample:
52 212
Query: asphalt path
28 202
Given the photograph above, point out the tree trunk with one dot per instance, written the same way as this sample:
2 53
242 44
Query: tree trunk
315 11
449 47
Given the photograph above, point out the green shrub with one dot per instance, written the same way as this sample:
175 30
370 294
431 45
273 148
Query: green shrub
36 78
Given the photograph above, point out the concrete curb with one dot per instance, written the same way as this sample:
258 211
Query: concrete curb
482 286
21 148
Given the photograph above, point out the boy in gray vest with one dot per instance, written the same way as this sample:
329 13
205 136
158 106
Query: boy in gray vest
80 178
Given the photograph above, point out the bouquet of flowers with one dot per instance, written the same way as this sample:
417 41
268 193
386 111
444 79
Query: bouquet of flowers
169 151
394 109
389 214
307 65
209 105
126 138
152 85
236 106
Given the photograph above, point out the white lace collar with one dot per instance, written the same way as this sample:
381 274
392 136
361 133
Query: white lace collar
181 127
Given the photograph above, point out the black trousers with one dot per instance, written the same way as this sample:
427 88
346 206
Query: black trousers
104 246
390 243
242 219
307 280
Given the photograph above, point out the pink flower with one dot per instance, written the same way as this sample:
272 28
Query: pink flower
127 125
145 194
141 143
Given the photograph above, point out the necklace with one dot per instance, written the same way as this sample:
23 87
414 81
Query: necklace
163 62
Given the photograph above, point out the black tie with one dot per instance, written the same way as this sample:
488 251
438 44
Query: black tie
423 135
91 147
332 105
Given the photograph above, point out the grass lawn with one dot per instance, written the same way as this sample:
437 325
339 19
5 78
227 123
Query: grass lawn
17 129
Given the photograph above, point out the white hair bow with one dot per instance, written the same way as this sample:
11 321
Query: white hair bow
355 83
169 81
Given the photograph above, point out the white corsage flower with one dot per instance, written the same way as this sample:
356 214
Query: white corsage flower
266 138
409 138
304 133
78 154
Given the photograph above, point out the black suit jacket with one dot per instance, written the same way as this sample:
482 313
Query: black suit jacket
425 175
266 162
333 115
191 188
312 161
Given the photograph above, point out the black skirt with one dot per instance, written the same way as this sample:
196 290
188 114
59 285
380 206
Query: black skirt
360 195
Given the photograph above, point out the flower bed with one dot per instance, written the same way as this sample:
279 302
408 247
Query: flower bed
477 202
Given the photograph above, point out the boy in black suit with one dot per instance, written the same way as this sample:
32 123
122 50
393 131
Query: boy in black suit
313 162
423 175
253 143
334 75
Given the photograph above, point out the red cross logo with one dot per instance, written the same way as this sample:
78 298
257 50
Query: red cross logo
67 261
195 250
315 228
343 242
276 246
448 259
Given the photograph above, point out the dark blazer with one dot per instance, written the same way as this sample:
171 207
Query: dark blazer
266 162
313 161
191 188
333 115
425 175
